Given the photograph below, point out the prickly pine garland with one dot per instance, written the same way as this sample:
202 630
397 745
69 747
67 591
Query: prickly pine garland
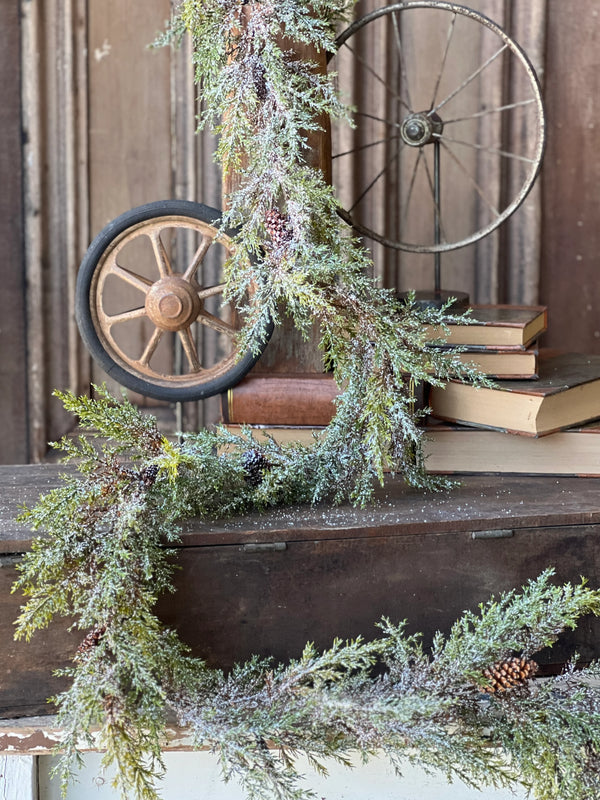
262 100
103 561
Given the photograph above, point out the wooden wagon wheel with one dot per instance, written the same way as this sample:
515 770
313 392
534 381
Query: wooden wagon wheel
150 285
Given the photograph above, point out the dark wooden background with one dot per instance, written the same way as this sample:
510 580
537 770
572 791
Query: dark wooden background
92 123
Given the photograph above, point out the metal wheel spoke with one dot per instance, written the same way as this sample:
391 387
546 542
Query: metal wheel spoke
211 291
487 111
445 56
151 347
138 281
363 62
470 79
436 206
189 348
494 151
411 186
389 122
403 71
113 319
374 181
162 259
217 324
472 180
366 146
198 256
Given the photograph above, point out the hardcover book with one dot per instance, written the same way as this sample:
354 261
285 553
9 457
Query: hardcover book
498 326
508 363
566 394
458 449
278 399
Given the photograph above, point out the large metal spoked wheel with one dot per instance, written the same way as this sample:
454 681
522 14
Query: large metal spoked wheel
449 121
149 303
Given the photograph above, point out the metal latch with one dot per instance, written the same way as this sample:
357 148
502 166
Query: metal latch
500 533
264 547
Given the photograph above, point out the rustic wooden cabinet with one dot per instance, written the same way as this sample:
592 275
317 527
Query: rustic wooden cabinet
268 583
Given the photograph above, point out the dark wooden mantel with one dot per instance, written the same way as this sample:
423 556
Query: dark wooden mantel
267 583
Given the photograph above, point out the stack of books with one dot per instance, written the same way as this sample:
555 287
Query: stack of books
536 420
535 424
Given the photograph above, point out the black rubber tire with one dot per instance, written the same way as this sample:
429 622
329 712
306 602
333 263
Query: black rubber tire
109 361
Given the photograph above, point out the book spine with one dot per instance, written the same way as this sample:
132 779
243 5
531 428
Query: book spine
280 400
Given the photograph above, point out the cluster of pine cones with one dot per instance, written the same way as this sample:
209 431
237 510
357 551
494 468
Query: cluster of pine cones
509 674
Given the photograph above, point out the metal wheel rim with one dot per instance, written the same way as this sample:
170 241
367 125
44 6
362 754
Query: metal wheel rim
525 62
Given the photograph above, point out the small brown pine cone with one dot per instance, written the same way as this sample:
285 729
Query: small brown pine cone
260 83
90 641
278 227
147 476
509 674
255 465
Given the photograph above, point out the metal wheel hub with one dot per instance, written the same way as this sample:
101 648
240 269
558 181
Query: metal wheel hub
420 128
172 304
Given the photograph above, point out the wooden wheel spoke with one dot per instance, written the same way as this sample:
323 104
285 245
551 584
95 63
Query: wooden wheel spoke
109 320
137 281
217 324
189 348
151 347
198 256
211 291
160 254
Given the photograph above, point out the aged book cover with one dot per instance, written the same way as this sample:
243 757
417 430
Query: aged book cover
499 326
567 393
279 399
459 449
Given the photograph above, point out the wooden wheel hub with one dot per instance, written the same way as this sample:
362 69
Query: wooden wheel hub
172 304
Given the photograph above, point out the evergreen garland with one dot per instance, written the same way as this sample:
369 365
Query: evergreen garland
292 251
104 559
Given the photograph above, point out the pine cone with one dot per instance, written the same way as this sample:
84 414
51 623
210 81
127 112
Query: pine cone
255 464
91 640
260 83
509 674
278 227
147 476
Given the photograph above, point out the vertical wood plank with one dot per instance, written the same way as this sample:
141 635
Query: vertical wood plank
13 429
571 234
18 778
130 157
